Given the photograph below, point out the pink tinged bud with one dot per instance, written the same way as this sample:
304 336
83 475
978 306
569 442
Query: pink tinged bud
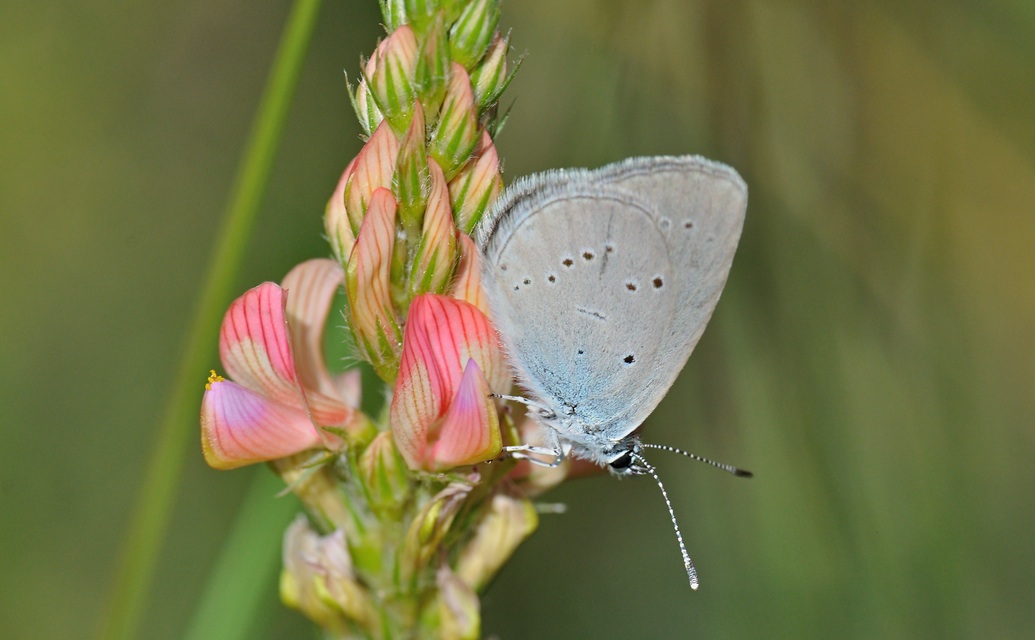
435 259
472 32
458 607
505 526
240 427
476 186
488 78
456 133
467 285
441 414
392 81
372 169
411 172
367 283
336 219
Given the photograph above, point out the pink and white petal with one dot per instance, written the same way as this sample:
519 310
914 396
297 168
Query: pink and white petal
467 285
310 288
418 400
423 388
241 427
255 344
458 331
470 431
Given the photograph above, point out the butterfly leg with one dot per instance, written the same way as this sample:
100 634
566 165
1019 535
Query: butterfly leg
536 455
539 409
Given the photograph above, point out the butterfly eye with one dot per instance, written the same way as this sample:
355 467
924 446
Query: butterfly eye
623 461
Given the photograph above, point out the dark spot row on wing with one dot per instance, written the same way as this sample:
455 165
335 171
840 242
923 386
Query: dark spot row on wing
632 285
665 224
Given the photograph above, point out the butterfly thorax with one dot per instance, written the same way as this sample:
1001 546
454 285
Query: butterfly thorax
570 434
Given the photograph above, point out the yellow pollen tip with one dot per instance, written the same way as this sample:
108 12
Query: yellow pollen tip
213 377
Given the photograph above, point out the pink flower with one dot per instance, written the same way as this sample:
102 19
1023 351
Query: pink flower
441 414
282 393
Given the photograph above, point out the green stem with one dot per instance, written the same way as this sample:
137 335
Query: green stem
179 424
248 563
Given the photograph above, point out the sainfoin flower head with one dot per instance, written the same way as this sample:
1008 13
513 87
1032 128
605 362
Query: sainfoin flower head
405 523
280 392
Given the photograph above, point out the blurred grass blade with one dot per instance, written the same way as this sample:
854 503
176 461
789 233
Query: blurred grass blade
247 565
179 424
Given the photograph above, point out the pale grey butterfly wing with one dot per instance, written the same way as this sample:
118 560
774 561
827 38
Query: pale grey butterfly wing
601 283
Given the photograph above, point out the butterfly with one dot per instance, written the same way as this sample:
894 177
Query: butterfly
601 283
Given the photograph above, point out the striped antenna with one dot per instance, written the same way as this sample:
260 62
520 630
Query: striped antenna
742 473
691 571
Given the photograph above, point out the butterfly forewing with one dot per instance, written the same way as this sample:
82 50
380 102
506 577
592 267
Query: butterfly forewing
574 290
601 282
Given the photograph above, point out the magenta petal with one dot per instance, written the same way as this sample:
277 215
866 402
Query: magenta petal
240 427
255 346
470 431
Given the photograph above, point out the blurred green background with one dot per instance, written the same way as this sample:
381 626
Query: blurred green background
871 360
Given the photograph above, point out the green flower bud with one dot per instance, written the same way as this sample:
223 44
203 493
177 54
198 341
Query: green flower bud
476 185
433 67
470 35
430 526
457 132
411 176
490 78
384 473
392 81
436 254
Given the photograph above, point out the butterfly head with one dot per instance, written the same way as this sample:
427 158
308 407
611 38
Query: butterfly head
624 459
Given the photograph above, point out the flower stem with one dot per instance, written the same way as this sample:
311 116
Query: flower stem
154 502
